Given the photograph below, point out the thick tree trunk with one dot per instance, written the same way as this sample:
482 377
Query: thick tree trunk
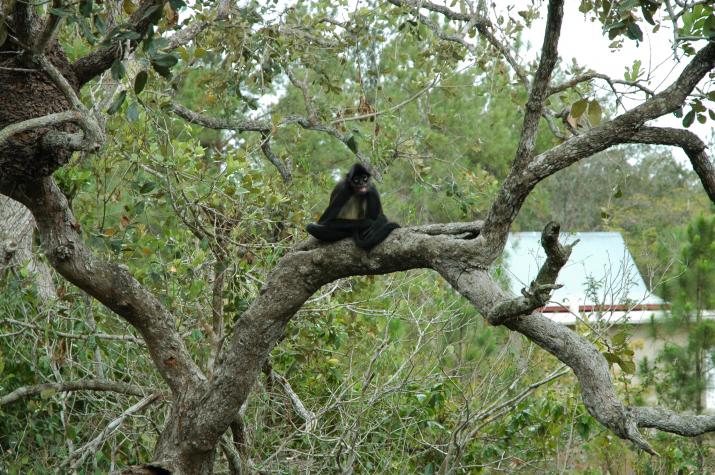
17 227
26 95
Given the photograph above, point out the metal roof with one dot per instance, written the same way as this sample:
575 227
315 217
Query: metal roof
600 271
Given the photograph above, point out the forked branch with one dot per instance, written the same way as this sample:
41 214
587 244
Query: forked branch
541 287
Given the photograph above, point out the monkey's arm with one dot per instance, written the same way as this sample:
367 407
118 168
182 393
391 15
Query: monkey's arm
339 196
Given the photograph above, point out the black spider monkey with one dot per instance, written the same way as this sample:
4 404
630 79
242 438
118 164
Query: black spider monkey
354 211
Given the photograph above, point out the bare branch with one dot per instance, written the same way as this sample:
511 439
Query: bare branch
541 287
265 128
93 133
691 145
48 34
220 124
517 186
540 85
305 414
38 122
473 229
91 447
268 152
84 385
689 425
555 89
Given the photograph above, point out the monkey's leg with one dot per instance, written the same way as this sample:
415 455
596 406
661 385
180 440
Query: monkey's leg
328 232
375 234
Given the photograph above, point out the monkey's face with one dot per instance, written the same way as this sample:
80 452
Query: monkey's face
359 183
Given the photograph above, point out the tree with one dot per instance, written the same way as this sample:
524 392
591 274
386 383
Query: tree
44 121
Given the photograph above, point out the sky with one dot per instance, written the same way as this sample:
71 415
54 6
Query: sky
583 39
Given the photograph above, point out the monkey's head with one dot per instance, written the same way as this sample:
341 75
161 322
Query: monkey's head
359 179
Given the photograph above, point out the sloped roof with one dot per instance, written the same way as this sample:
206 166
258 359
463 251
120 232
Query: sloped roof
600 271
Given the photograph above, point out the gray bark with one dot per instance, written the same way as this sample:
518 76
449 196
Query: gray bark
17 227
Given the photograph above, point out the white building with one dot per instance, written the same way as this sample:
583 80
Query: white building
602 287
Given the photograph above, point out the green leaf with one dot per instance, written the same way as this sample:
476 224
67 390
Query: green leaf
594 112
164 60
85 8
48 393
100 24
619 338
709 27
132 112
628 367
118 101
633 31
117 69
618 192
147 187
648 11
689 118
578 108
61 12
140 81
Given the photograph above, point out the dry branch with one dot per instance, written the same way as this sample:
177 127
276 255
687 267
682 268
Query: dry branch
84 385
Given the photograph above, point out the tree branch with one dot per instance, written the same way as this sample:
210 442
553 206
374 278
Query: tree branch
38 122
555 89
481 23
91 447
95 63
22 19
695 149
111 284
540 85
52 25
268 152
519 183
312 264
188 33
93 134
688 425
84 385
541 287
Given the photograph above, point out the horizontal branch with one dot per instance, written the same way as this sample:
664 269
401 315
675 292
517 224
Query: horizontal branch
555 89
473 228
39 122
70 386
688 425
